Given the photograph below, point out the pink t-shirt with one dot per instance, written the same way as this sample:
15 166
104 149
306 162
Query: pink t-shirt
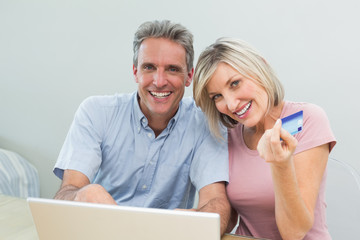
250 189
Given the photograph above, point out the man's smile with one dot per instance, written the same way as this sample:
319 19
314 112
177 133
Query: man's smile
160 94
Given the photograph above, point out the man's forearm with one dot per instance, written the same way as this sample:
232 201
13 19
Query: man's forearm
232 221
221 206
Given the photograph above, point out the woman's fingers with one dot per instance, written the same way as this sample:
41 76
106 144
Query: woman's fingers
289 142
276 145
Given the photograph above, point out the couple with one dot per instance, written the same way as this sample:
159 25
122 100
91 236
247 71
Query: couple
154 148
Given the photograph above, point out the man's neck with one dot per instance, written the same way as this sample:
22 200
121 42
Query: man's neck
157 124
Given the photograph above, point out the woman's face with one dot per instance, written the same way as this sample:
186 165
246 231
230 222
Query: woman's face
237 96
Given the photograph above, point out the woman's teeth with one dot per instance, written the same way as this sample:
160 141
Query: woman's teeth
244 109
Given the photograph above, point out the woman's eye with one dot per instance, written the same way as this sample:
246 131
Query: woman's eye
235 83
215 97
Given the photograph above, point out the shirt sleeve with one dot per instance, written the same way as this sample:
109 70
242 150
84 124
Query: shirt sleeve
316 129
211 162
82 147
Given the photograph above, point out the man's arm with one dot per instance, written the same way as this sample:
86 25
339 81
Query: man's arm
234 218
76 187
213 198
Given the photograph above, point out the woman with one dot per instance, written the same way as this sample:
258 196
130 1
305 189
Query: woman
277 181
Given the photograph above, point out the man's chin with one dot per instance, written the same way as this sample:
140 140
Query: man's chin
165 111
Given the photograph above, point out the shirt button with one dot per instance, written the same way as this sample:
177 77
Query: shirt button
149 135
144 186
143 120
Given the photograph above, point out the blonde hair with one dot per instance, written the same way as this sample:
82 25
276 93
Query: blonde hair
248 62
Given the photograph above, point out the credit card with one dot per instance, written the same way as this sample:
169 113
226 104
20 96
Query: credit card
293 123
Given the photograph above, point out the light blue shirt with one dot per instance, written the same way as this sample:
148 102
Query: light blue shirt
111 143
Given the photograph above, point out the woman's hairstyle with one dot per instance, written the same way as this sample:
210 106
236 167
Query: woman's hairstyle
165 29
248 62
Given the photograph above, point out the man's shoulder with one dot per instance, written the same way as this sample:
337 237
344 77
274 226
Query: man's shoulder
192 117
105 101
190 105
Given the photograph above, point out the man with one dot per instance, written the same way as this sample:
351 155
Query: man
150 148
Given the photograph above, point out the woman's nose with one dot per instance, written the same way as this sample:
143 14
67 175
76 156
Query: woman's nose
231 103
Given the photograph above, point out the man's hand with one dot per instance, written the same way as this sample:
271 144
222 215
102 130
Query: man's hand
76 187
94 193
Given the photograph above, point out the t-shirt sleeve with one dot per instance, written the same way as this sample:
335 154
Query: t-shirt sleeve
81 150
211 162
316 129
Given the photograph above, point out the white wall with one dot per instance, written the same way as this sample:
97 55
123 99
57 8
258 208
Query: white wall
54 53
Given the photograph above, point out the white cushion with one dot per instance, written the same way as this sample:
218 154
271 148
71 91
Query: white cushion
18 177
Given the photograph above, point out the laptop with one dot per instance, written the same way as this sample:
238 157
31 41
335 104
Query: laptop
70 220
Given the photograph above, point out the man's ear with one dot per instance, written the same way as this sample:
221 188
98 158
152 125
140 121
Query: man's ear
189 77
135 73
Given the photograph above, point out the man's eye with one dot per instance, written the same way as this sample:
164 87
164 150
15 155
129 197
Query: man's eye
148 67
173 69
235 83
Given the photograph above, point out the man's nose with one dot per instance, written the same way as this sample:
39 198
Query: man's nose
160 78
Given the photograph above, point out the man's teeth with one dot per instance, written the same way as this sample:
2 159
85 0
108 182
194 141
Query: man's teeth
244 109
160 94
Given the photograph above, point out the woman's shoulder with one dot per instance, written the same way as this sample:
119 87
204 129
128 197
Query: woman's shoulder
310 110
293 107
316 125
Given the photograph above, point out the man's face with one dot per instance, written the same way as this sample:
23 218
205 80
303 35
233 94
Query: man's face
162 76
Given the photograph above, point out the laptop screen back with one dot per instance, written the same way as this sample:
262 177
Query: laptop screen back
56 219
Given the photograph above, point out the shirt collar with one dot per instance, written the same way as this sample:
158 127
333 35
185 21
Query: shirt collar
139 117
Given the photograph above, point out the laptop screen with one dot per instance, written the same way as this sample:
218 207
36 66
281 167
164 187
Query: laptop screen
57 219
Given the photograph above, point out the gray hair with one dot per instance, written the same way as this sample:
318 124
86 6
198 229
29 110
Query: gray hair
248 62
165 29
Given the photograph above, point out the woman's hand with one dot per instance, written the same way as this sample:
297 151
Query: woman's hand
296 180
274 150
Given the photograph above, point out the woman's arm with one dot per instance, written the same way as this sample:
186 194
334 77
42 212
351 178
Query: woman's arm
296 180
